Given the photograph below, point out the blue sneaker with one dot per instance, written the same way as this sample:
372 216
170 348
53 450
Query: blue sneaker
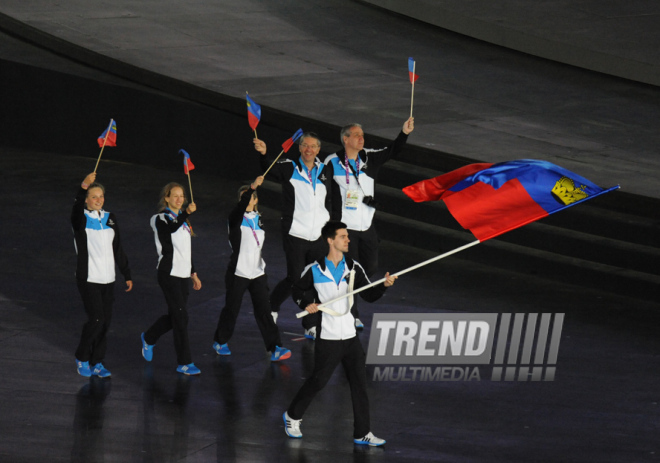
311 333
371 440
83 368
101 371
190 369
147 349
221 349
280 353
358 324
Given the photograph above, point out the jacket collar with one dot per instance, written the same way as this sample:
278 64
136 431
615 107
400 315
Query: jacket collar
302 166
349 263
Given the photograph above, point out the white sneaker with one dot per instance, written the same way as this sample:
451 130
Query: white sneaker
292 427
371 440
311 333
358 324
274 315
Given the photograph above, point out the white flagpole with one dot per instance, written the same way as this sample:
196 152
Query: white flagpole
412 93
409 269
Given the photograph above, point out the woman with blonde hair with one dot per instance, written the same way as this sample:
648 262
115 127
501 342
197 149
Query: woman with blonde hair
172 232
98 245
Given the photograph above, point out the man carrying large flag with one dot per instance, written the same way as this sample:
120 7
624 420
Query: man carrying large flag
337 341
308 204
355 175
489 200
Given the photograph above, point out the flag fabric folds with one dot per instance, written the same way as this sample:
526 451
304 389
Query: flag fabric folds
491 199
254 112
289 143
187 163
411 70
110 133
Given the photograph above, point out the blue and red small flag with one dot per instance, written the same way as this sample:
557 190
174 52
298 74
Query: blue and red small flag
187 163
109 137
491 199
411 70
254 112
289 143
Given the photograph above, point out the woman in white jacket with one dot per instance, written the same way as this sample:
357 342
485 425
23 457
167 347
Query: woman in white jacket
98 245
172 232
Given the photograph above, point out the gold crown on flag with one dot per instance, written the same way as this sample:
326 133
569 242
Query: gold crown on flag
566 192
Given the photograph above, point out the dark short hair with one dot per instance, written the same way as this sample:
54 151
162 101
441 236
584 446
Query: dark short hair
329 230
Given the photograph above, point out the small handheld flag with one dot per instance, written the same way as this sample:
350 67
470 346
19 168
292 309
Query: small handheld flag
285 147
187 163
109 137
254 112
289 143
413 77
187 167
411 70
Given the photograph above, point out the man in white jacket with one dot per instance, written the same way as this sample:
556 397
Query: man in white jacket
336 335
355 173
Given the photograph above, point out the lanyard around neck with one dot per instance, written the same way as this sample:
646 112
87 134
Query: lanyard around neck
254 232
175 217
348 167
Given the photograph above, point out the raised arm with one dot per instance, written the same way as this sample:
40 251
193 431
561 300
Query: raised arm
77 215
265 160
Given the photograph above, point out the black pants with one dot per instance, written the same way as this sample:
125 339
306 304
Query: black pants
299 253
258 287
363 247
97 300
176 294
327 355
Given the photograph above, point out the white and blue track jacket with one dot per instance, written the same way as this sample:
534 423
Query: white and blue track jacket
306 206
370 162
97 243
316 284
246 238
172 235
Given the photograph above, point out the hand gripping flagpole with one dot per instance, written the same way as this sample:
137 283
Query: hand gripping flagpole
409 269
105 139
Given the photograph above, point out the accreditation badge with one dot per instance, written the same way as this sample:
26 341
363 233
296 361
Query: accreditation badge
352 199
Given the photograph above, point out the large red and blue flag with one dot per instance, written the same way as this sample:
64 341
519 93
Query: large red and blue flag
109 136
289 143
254 112
491 199
187 163
411 70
